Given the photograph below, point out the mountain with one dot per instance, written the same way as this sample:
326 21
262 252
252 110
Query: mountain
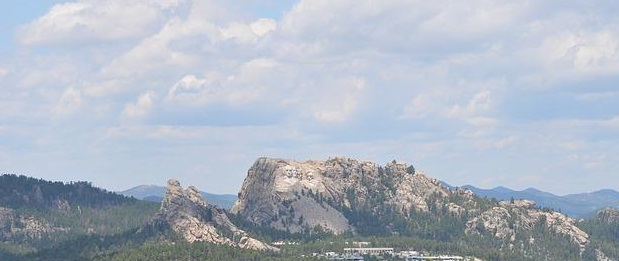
295 196
35 213
188 214
347 196
185 227
320 204
155 194
582 205
143 191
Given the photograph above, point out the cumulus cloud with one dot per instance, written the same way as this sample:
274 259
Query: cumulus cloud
584 52
88 21
263 26
69 102
341 102
152 54
440 80
141 107
190 90
414 27
249 33
475 111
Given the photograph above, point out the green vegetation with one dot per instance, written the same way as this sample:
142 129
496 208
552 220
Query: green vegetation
604 236
100 225
39 214
20 191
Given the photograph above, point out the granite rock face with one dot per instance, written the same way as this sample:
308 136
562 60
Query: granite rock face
191 216
506 218
299 195
292 195
608 215
14 225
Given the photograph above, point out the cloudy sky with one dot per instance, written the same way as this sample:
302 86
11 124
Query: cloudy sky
129 92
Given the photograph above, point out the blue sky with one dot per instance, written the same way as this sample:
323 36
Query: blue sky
490 93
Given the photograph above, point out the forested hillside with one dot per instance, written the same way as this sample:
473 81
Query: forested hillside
36 214
43 220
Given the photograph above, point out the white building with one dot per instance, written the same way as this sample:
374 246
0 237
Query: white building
369 250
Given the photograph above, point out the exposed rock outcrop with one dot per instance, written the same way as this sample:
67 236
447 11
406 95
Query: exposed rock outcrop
506 218
608 216
600 256
295 196
14 225
194 219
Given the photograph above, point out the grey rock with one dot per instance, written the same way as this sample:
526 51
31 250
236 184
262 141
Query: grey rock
297 195
292 195
14 225
194 219
504 218
608 215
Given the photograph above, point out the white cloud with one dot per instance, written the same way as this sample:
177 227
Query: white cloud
191 90
598 52
249 33
439 80
263 26
141 107
69 102
90 21
152 55
48 72
481 102
475 110
584 52
341 102
441 103
418 28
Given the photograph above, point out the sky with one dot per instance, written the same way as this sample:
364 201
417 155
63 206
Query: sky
490 93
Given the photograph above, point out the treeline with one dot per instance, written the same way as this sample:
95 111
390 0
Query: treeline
21 191
42 213
151 242
604 235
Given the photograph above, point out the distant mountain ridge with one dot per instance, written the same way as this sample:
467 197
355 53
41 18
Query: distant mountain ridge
581 205
155 193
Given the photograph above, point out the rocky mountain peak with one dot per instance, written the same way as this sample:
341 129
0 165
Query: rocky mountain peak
608 215
192 217
342 194
296 195
194 196
508 217
173 196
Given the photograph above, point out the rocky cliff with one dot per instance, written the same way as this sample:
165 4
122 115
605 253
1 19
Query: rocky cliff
294 196
21 227
300 195
188 214
608 216
507 218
